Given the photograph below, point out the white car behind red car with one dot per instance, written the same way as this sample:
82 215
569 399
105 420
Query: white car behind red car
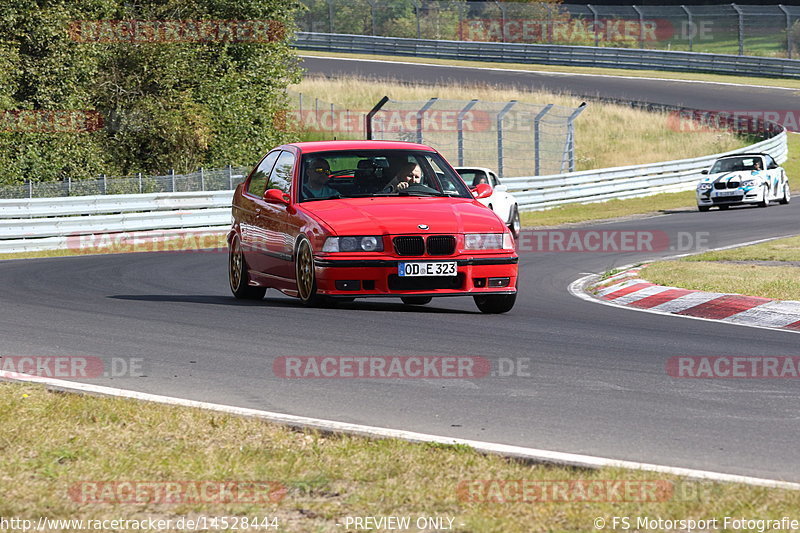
742 179
501 201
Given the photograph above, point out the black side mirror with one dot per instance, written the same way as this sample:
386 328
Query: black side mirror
704 171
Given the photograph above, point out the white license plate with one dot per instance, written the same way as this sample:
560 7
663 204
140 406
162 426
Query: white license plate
727 193
427 269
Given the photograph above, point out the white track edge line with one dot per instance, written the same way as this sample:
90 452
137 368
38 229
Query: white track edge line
554 73
546 456
576 288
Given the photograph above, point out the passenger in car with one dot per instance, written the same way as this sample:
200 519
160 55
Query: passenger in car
318 173
409 174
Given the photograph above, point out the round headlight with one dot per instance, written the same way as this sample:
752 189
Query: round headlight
348 244
369 244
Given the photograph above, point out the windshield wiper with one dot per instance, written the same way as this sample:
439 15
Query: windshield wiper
421 193
325 198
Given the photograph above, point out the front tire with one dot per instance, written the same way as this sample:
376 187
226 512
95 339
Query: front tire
515 225
494 304
416 300
237 274
787 194
703 208
765 201
305 275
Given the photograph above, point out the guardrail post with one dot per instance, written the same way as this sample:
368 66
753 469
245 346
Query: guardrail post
372 112
641 25
230 177
689 25
139 175
500 117
788 30
419 118
202 180
571 136
741 28
595 24
172 179
537 139
460 128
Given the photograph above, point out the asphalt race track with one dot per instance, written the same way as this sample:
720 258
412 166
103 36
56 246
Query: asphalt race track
597 382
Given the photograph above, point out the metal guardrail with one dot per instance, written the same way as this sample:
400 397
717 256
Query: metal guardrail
52 223
539 192
577 56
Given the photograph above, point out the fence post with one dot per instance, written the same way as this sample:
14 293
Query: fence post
330 17
30 188
172 179
741 28
690 25
419 118
502 19
105 184
417 9
788 31
537 139
230 177
500 117
571 136
641 25
372 14
372 112
69 186
595 24
460 129
139 175
202 180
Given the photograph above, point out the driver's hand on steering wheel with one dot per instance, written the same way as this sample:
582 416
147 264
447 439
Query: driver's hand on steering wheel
402 185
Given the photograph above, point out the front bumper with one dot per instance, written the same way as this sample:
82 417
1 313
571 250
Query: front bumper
352 277
740 196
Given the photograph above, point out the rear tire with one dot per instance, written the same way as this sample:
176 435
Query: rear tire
703 208
723 207
237 274
416 300
787 194
494 304
515 225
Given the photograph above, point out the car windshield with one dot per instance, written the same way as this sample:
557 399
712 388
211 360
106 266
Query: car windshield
368 173
733 164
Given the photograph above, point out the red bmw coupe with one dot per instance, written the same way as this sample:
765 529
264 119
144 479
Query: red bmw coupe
339 220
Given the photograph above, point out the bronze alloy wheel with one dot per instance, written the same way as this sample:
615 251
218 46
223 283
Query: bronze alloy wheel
306 285
237 274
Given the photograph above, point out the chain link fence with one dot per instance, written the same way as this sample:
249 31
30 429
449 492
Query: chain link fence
314 117
764 30
515 138
217 179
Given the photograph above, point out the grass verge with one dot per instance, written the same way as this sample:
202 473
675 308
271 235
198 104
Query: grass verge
713 272
53 442
713 78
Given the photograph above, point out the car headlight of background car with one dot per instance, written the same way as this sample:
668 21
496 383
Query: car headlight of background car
703 186
368 243
488 241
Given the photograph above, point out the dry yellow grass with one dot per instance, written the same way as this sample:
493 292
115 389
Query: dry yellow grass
607 135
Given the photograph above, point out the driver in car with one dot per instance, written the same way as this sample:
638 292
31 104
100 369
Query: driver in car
409 174
319 171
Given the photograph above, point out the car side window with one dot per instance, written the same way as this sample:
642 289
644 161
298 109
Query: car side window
770 162
258 181
493 179
281 176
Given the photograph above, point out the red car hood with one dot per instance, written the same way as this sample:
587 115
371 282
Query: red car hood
393 215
